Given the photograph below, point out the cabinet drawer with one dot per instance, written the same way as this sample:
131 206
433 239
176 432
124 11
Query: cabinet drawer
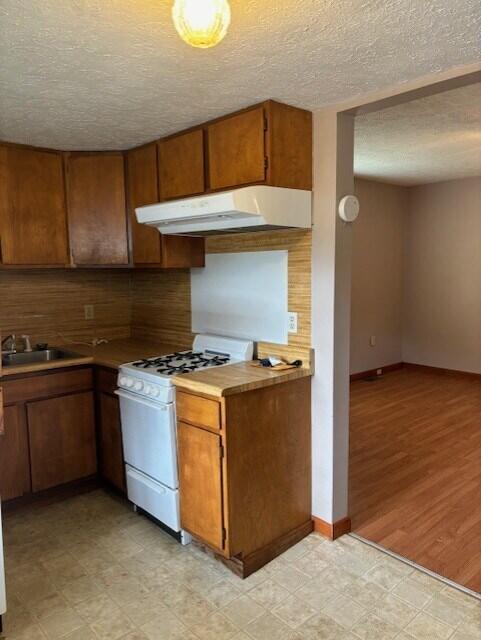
196 410
40 386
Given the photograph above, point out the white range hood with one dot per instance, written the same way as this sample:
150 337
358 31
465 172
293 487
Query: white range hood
246 209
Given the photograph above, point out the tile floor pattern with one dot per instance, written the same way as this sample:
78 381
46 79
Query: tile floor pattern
89 569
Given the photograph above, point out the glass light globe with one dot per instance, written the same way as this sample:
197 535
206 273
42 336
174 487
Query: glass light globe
201 23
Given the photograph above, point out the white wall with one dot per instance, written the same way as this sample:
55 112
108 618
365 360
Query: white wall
331 293
442 305
416 276
377 275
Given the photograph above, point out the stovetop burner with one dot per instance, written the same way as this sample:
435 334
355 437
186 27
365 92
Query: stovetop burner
182 362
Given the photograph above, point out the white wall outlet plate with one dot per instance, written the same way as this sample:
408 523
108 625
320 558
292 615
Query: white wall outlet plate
89 311
292 321
372 341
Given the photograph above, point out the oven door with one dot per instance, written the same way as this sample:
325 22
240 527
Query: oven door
148 436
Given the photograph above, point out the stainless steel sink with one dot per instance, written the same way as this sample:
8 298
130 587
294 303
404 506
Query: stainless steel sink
46 355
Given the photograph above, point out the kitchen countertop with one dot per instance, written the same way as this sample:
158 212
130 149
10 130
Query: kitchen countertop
111 355
235 378
118 352
218 381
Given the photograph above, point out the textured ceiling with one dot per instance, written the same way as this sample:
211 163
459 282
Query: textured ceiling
427 140
92 74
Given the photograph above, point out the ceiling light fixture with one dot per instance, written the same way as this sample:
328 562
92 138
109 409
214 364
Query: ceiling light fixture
201 23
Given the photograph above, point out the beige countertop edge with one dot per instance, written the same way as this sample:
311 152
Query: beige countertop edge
197 382
45 366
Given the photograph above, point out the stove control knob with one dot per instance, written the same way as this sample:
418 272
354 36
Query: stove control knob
122 381
154 392
138 386
129 382
147 389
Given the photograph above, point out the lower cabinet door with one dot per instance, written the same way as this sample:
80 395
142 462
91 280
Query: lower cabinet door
111 456
62 439
200 480
14 462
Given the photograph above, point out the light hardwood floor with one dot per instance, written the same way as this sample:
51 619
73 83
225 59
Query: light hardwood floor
415 469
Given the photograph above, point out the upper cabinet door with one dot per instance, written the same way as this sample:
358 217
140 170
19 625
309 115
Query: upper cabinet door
33 220
96 209
236 150
142 189
289 146
181 165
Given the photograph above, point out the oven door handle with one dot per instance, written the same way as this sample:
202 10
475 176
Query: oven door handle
133 398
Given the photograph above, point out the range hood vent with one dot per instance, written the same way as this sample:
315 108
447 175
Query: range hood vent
245 209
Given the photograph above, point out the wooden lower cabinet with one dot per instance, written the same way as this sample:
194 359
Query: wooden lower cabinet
49 437
111 457
200 454
62 439
245 487
14 459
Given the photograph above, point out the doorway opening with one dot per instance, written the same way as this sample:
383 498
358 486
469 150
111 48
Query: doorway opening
415 422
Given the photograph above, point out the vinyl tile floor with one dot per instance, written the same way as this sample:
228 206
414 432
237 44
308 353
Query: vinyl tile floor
89 568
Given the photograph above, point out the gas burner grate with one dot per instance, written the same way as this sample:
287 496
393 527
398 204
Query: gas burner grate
182 362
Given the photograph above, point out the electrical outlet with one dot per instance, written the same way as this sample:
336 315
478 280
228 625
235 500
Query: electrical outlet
292 320
89 311
372 341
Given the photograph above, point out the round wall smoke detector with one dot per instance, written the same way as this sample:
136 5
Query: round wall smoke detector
349 208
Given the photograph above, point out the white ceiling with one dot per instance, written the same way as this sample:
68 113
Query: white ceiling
428 140
93 74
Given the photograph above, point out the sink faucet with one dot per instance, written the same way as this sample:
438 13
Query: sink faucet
13 344
28 346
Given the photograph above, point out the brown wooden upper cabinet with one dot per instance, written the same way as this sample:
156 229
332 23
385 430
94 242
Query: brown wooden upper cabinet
33 219
237 153
267 144
142 189
96 208
181 165
149 247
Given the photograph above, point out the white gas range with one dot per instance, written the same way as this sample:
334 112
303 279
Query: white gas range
147 406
